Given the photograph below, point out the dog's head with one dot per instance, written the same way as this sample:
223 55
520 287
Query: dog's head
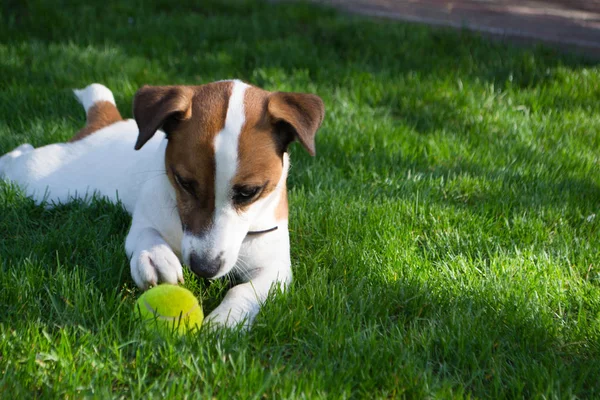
226 159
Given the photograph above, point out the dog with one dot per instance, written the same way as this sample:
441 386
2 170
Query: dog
208 190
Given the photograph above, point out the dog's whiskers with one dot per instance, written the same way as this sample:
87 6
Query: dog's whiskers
244 271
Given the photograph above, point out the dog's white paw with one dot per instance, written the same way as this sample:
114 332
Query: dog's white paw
157 264
238 309
227 318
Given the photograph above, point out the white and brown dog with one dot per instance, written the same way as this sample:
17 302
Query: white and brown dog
211 193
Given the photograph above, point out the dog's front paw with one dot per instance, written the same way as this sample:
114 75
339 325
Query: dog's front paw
227 318
154 265
238 309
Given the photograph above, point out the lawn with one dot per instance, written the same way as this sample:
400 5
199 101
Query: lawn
445 239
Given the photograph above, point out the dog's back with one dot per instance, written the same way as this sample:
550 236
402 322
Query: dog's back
100 159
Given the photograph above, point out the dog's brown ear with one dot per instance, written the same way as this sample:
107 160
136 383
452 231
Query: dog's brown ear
300 111
154 105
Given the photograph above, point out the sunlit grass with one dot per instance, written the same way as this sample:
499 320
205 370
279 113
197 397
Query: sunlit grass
445 238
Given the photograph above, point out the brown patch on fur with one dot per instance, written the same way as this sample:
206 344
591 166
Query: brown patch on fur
300 111
260 158
156 106
100 115
191 116
273 120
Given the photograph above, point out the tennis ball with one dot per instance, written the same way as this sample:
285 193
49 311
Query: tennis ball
170 308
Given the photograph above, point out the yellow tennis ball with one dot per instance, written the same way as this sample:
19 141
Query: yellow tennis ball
170 308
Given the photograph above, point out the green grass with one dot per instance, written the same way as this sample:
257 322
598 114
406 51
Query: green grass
445 239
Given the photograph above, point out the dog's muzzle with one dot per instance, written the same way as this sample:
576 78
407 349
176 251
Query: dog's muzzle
205 268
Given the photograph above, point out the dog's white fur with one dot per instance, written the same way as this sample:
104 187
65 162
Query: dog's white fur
106 164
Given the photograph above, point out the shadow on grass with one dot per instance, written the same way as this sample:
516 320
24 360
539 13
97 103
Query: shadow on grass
499 188
47 255
428 339
51 259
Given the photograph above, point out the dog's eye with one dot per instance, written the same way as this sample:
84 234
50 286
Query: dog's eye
245 194
186 185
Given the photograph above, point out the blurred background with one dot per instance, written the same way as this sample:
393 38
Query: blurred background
566 23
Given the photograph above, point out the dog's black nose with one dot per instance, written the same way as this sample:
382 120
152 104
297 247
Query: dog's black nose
205 268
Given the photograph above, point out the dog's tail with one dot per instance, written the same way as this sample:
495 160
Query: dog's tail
100 108
93 94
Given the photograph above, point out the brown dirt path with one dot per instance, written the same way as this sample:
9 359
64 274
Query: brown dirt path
569 24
